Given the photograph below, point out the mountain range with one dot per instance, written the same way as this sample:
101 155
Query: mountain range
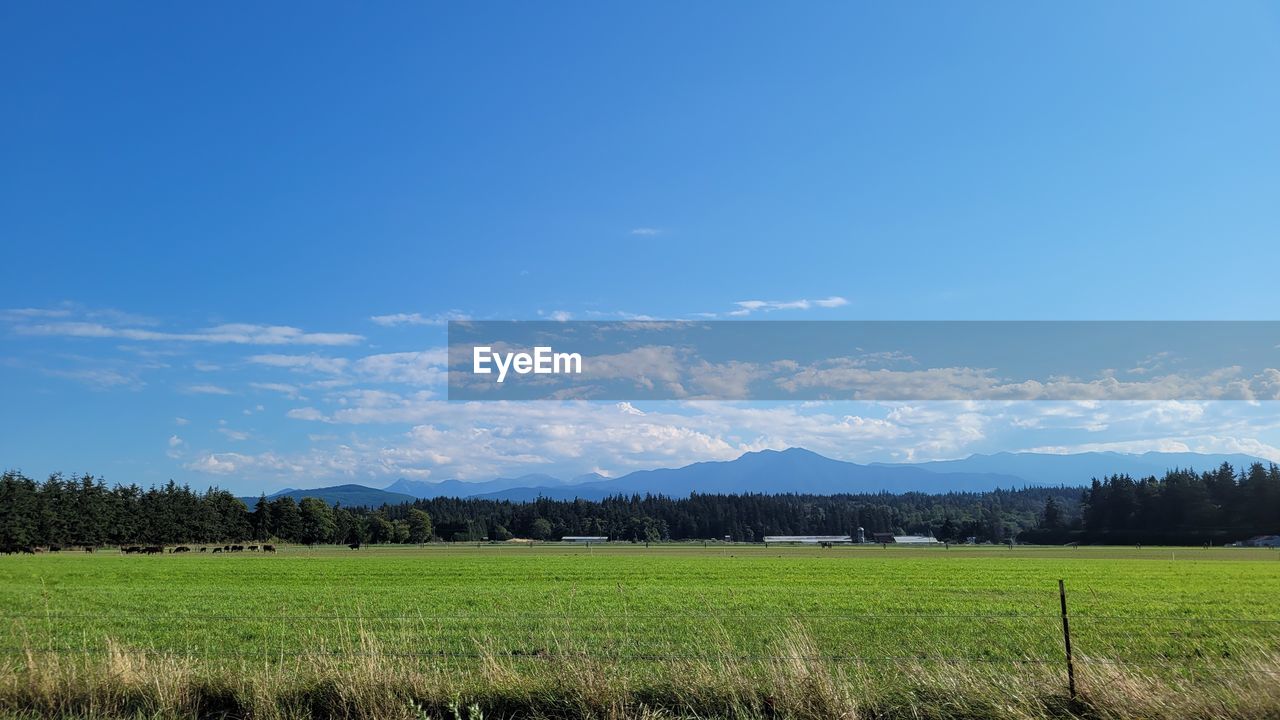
346 495
795 470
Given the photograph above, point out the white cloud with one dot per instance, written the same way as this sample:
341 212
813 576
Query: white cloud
629 409
228 463
18 314
491 438
646 231
99 378
474 440
427 367
746 307
315 363
396 319
207 389
235 435
1189 444
232 333
70 309
306 413
283 388
180 421
420 368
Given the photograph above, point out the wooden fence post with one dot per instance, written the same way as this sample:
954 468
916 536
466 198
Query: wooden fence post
1066 640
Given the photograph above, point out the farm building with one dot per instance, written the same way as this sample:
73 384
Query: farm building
886 538
808 539
1267 541
585 538
914 540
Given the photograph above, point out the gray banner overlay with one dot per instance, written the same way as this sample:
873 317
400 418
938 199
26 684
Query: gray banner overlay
864 360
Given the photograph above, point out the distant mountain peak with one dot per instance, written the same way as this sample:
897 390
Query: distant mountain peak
800 470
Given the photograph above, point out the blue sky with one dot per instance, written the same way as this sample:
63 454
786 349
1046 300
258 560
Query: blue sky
178 181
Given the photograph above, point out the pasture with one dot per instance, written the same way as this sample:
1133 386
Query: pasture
649 615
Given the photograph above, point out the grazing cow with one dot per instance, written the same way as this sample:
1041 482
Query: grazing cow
237 548
130 549
253 548
268 548
27 549
217 550
354 546
204 549
89 548
181 549
153 549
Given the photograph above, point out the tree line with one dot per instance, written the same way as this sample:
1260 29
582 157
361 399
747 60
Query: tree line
1181 508
84 510
995 516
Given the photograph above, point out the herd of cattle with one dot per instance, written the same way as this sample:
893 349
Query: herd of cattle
156 549
136 549
148 549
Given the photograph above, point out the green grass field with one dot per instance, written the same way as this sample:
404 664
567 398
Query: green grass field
1170 611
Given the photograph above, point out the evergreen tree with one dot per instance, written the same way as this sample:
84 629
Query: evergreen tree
286 519
260 519
420 528
316 521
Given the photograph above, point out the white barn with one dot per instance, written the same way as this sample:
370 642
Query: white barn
808 539
914 540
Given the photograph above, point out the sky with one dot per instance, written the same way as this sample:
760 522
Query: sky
230 235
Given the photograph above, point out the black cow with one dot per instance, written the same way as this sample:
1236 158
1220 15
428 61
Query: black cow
217 550
89 548
253 548
354 546
55 548
180 549
268 548
204 549
153 549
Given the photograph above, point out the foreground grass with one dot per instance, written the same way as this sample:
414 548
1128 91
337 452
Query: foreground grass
793 683
621 632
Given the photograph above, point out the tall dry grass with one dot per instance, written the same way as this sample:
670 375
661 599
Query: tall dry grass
568 681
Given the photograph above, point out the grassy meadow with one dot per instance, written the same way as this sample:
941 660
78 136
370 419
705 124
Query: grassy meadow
629 631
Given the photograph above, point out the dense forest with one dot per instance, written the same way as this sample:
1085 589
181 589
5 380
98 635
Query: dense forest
1182 507
996 515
